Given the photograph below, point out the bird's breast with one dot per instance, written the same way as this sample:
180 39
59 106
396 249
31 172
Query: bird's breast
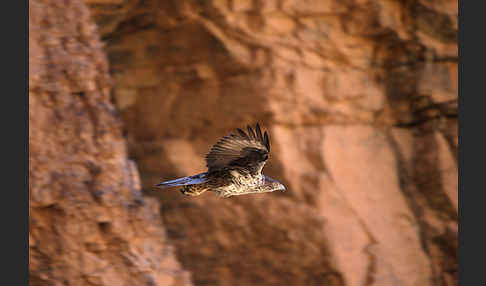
245 180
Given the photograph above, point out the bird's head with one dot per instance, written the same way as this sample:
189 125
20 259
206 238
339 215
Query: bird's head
273 185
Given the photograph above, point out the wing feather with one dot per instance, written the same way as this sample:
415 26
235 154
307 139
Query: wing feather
259 133
267 142
242 133
245 150
251 133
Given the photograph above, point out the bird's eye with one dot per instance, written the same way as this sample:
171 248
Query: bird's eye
265 157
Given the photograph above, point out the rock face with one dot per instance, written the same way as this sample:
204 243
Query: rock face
89 224
359 97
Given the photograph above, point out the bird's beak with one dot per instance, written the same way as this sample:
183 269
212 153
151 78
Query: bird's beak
280 185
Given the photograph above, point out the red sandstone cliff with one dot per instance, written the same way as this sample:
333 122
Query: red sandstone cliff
360 98
89 224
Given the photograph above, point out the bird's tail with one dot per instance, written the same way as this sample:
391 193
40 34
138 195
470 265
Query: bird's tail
191 180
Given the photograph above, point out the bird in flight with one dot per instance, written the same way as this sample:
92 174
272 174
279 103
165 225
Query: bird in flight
234 165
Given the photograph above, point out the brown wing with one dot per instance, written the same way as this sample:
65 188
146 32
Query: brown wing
248 151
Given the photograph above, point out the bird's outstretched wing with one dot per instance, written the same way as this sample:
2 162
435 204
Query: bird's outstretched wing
246 151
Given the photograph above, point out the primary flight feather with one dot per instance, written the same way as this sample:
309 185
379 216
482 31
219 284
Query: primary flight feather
234 165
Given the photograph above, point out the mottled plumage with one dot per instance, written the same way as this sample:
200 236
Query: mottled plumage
234 165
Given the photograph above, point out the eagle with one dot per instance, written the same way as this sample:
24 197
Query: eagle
234 166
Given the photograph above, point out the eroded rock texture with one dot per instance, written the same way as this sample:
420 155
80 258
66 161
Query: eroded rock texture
359 96
89 224
361 101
